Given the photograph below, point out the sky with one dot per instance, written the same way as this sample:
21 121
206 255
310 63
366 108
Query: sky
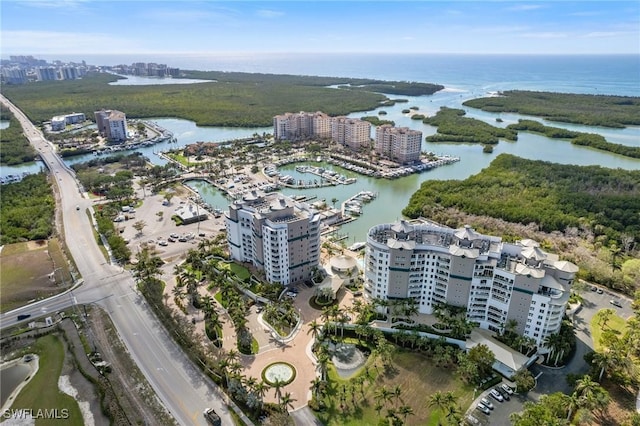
62 27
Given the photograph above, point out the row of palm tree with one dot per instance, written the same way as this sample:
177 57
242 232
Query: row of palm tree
560 343
384 396
447 404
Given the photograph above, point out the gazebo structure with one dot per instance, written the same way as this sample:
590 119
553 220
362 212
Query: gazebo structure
342 270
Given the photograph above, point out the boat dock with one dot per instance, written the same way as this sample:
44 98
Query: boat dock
353 205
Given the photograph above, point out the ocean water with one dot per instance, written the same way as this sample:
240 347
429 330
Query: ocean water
596 74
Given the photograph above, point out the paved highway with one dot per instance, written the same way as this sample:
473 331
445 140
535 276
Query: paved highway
178 384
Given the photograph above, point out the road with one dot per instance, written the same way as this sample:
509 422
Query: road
177 382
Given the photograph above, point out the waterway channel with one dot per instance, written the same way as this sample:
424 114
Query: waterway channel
393 195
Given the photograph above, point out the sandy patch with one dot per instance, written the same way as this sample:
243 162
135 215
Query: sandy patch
64 384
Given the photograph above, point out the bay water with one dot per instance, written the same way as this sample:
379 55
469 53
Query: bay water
464 77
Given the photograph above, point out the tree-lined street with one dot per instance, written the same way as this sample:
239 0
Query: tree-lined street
177 382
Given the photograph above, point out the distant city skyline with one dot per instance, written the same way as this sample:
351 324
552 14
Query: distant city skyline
68 28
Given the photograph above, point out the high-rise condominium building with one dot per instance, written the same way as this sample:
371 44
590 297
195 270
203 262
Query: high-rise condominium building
112 124
495 281
276 234
352 132
400 144
301 125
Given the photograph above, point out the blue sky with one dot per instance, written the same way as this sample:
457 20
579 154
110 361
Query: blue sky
58 27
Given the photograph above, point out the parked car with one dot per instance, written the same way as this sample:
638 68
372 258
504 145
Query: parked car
483 408
504 393
615 303
506 388
496 395
171 240
486 402
174 235
600 291
163 243
594 288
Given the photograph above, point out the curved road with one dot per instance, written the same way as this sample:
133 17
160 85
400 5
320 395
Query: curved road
177 382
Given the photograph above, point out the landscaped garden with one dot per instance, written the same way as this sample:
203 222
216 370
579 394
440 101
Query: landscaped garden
376 394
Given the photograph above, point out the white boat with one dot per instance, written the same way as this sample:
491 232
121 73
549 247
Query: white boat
357 246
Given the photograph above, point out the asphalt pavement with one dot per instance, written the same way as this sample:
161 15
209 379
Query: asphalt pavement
177 382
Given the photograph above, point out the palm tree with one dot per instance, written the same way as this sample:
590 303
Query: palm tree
438 401
553 342
573 403
405 411
315 329
603 360
453 415
396 392
286 401
383 394
586 387
261 389
316 385
177 292
277 386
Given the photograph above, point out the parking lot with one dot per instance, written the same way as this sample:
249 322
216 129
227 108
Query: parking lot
160 232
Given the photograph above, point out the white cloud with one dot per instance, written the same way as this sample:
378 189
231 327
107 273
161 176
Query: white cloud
544 35
266 13
55 4
525 7
607 34
53 42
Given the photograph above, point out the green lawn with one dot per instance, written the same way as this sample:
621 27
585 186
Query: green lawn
417 377
239 271
615 322
42 391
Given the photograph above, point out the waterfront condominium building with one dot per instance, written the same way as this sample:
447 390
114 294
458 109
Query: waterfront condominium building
352 132
301 125
112 124
400 144
495 281
276 234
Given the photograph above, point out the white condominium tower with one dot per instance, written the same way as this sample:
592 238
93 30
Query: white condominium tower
494 280
276 234
112 124
400 144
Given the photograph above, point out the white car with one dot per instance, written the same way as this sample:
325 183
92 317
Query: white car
483 408
506 388
488 403
496 395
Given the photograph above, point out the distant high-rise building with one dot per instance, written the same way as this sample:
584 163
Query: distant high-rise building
276 234
112 124
14 75
46 73
69 73
351 132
